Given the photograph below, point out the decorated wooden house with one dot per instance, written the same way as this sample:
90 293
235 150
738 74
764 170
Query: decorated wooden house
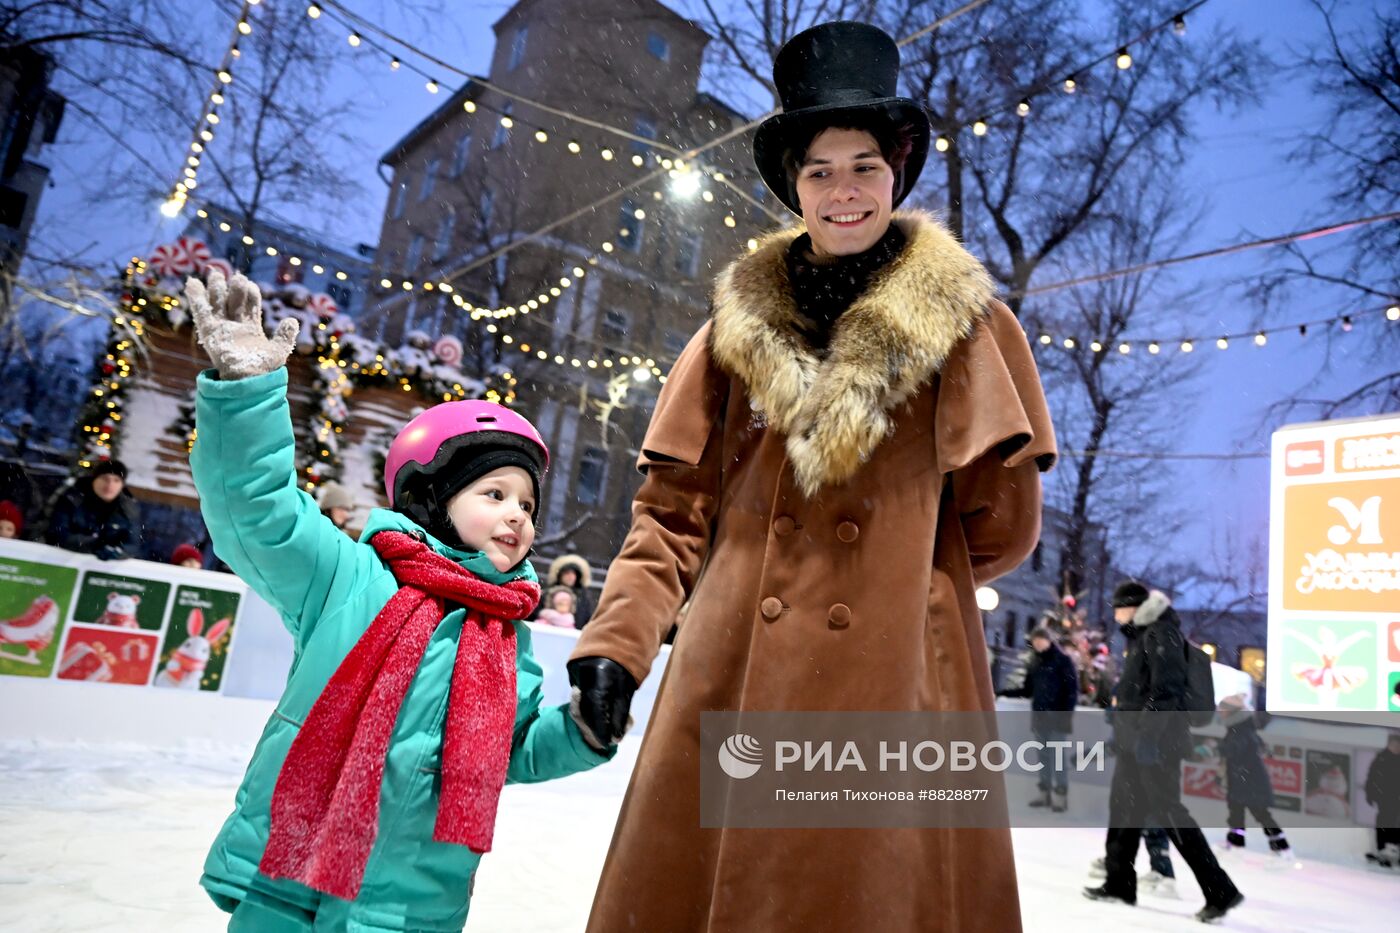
348 394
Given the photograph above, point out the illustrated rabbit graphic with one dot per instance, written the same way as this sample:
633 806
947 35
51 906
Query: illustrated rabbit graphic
186 666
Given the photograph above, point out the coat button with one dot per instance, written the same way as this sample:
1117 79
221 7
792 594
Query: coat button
772 607
784 526
848 531
839 616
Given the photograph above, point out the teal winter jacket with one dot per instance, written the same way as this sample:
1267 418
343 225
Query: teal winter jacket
328 590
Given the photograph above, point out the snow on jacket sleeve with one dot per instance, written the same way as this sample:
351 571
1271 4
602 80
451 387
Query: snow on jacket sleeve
547 743
269 532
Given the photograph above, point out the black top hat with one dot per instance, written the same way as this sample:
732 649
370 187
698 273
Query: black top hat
827 73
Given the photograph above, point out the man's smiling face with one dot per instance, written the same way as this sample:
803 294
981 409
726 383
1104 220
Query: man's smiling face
845 188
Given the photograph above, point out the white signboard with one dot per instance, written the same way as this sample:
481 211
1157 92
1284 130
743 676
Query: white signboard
1334 567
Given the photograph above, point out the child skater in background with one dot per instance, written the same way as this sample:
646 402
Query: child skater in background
1247 782
413 694
559 607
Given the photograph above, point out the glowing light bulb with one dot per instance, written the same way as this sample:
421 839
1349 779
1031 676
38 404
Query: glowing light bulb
1124 61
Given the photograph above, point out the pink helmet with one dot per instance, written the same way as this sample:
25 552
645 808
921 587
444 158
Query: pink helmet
431 443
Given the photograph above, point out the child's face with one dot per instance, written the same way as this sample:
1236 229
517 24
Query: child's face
563 602
495 515
7 528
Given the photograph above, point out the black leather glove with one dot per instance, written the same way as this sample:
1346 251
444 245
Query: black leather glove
602 696
109 552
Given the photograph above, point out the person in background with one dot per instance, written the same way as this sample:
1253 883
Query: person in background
336 503
1383 793
559 608
1052 684
97 515
1247 784
187 555
11 520
1152 737
572 570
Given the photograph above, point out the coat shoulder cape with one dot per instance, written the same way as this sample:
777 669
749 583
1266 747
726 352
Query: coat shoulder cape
929 316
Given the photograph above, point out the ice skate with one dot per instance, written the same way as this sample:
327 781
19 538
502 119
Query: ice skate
1103 893
32 630
1158 885
1282 854
1211 913
1232 843
1387 859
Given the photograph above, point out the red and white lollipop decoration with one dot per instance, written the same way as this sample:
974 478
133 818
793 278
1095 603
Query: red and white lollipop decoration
169 261
323 304
225 267
448 350
196 251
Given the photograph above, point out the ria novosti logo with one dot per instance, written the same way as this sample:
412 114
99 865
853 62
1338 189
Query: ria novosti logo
740 756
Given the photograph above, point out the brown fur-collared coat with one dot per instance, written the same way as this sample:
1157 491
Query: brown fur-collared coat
829 519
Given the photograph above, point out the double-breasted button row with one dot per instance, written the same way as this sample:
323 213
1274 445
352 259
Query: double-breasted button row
772 607
847 532
839 615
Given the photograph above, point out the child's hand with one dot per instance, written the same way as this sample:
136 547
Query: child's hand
228 323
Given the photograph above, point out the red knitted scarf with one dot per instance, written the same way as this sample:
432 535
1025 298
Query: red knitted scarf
325 806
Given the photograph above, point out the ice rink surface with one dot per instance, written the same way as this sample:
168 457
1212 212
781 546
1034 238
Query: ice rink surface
111 837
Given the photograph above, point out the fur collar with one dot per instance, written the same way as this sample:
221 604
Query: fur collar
1150 611
836 410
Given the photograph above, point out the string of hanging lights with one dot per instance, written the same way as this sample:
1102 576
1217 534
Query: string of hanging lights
203 133
1046 340
1120 55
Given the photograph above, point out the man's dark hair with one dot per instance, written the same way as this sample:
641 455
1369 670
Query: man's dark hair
895 142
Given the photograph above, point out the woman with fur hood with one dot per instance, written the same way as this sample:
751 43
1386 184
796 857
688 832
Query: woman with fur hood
843 453
572 571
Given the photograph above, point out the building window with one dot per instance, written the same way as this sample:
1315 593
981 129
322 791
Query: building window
688 249
340 294
1037 559
658 46
615 326
286 272
760 194
1009 633
502 133
461 153
399 197
645 126
415 254
517 48
629 226
429 178
443 242
592 477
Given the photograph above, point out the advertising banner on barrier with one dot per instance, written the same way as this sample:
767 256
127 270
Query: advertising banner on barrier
73 617
1334 567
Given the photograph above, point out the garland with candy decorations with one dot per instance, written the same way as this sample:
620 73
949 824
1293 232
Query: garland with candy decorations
344 360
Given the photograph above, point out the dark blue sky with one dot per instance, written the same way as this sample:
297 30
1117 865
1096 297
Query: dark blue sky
1238 168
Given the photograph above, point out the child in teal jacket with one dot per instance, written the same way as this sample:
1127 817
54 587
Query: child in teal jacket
413 693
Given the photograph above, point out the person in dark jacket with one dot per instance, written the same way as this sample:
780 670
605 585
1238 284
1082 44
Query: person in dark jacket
1247 784
1052 683
1383 792
97 516
1151 742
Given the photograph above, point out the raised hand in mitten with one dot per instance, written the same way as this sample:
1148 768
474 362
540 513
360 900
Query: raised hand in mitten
228 322
602 695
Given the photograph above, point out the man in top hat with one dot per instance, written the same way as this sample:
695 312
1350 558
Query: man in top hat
840 457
